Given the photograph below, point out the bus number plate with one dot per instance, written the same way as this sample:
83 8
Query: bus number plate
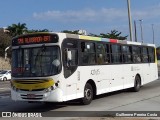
31 96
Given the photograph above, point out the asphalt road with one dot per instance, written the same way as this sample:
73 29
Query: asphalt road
4 86
147 99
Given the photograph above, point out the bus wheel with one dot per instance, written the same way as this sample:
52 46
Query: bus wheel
88 94
137 84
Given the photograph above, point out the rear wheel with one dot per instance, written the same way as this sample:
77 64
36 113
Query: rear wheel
88 94
137 84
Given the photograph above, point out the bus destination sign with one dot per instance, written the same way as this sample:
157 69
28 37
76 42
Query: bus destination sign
35 39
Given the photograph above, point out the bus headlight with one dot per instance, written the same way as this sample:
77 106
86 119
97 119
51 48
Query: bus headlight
50 88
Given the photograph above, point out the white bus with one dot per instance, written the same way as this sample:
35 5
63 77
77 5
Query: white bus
57 67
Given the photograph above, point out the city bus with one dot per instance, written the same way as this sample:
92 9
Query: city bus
58 67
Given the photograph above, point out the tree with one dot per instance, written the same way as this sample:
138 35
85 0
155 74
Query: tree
71 32
32 31
5 41
94 35
78 32
114 35
17 29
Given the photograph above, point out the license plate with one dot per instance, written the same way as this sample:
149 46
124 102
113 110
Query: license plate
31 96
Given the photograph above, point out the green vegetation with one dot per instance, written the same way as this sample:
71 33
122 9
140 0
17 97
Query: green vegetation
17 29
114 34
5 41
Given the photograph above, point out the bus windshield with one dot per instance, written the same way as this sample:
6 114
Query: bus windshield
36 62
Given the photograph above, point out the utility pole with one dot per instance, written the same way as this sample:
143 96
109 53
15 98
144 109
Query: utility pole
153 32
135 28
141 30
129 19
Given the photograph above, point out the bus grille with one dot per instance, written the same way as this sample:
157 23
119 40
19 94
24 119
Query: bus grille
32 90
36 97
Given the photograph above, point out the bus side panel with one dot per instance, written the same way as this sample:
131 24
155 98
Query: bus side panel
128 75
70 87
153 71
84 74
145 68
104 78
117 77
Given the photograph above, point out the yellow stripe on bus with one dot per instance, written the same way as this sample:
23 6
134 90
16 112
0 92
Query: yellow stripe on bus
156 61
34 86
90 38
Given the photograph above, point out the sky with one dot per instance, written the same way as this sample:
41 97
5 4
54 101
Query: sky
94 16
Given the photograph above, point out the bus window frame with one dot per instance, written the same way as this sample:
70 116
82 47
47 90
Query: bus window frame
124 54
67 69
119 53
80 53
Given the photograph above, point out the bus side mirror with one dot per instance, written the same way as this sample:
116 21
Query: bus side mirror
69 55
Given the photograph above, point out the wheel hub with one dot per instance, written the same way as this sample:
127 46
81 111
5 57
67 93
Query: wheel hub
88 94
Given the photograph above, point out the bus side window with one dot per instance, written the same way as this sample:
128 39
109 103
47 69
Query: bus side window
74 57
116 53
107 54
151 53
126 53
87 53
71 57
100 53
70 61
145 55
136 52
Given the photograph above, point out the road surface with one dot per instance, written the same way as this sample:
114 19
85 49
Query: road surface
147 99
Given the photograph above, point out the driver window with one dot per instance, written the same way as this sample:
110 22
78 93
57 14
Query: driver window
72 60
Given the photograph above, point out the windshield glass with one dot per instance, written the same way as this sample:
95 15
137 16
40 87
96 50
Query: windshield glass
3 72
36 62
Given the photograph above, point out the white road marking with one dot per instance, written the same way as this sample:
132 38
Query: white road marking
3 89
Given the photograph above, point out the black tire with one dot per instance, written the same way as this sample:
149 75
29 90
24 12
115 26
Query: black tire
4 79
88 95
137 84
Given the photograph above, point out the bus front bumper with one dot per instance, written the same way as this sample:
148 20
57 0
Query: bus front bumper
55 95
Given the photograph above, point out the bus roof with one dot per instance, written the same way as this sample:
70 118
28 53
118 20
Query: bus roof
85 37
106 40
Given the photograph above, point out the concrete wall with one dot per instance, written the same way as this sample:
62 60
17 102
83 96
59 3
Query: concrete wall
158 63
4 65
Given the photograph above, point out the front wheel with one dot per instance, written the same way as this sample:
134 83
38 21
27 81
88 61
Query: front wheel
137 84
88 94
4 79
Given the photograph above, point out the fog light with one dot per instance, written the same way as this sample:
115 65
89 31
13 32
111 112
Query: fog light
50 88
47 89
56 84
